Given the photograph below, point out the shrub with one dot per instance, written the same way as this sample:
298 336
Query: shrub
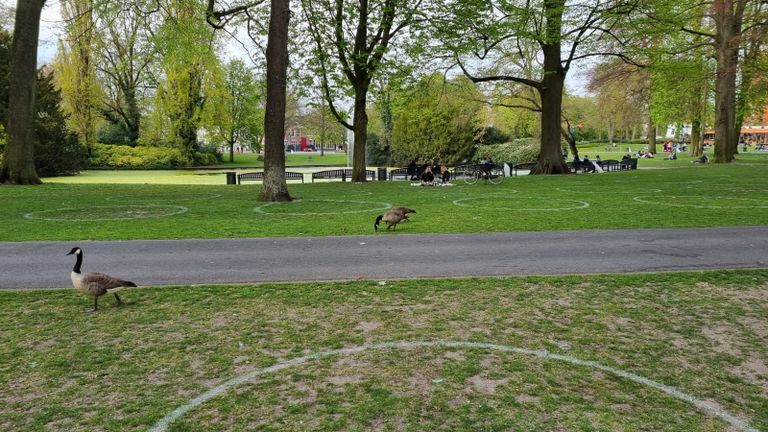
141 157
522 150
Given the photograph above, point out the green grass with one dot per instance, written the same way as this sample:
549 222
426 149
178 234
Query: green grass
691 196
291 159
124 368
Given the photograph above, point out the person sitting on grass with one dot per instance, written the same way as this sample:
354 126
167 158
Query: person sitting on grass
446 174
427 177
702 159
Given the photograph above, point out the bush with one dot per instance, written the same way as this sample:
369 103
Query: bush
522 150
142 157
207 155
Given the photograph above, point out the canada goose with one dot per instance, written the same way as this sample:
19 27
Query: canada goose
392 217
95 284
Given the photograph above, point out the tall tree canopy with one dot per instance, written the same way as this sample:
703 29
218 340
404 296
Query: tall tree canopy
484 37
351 39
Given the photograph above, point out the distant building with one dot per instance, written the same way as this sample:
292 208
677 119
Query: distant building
296 139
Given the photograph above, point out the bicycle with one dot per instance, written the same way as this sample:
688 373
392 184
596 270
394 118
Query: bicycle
493 174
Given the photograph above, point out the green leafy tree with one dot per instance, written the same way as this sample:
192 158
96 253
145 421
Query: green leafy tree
75 71
242 120
350 44
437 119
482 35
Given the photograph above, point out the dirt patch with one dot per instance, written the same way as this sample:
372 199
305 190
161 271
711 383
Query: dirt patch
524 399
368 326
754 370
342 380
722 339
485 385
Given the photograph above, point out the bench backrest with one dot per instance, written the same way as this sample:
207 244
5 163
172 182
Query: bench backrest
259 176
340 173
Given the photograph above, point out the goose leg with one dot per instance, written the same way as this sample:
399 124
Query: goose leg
95 305
119 302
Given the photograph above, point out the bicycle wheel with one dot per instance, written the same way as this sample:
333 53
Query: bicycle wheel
496 176
471 177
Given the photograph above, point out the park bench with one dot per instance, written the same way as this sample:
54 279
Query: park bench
516 168
342 174
630 163
399 172
259 176
609 165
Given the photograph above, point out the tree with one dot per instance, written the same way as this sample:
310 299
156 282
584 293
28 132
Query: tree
354 40
124 55
19 160
57 150
733 24
481 35
275 187
75 71
244 113
437 119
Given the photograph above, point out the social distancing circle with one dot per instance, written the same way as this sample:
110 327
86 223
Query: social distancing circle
339 207
703 201
506 203
711 409
97 213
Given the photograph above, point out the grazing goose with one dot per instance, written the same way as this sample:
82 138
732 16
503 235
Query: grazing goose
95 284
392 217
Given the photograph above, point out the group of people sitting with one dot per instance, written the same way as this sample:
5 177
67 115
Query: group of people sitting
428 172
585 164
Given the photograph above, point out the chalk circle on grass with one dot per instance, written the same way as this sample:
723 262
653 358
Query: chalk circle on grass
180 197
337 207
97 213
501 202
709 408
703 201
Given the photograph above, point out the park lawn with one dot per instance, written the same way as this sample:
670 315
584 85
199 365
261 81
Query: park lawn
124 368
291 159
692 196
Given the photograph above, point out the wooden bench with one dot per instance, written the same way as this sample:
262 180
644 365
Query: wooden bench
259 176
342 174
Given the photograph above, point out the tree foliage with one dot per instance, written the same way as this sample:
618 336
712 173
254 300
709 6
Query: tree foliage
437 119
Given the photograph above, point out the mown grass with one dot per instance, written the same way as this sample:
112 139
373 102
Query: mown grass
291 159
693 196
124 368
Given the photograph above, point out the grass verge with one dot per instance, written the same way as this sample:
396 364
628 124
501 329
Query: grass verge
687 197
124 368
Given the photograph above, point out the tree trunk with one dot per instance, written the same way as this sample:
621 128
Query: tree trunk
652 138
551 91
19 160
570 140
275 187
695 149
361 135
727 42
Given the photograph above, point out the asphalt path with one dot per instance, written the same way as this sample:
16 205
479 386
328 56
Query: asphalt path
387 255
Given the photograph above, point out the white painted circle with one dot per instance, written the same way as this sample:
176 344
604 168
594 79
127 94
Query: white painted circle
162 424
379 206
645 200
462 203
122 212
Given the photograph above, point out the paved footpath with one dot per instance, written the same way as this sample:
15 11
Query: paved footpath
387 255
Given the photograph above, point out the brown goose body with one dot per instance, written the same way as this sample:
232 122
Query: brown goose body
95 284
392 217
